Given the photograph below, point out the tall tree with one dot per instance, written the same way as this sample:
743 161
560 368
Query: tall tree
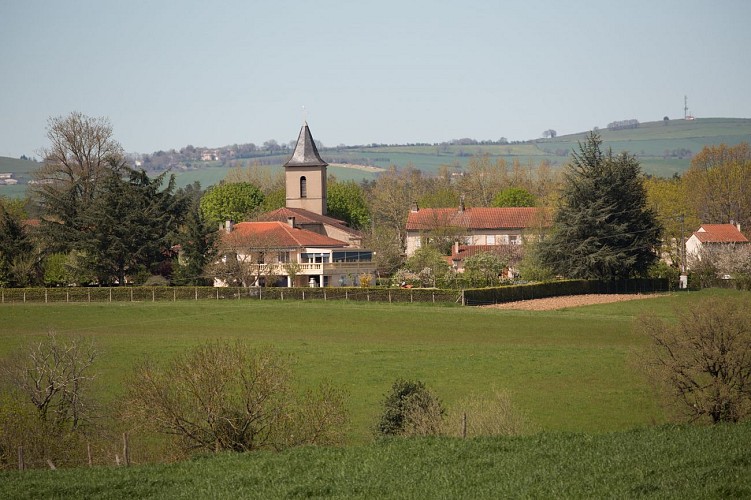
234 201
197 238
17 257
81 154
603 228
130 226
346 201
719 184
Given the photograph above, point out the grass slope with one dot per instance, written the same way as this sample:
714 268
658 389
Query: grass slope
663 462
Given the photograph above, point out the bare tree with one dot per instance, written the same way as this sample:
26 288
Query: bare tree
81 154
704 361
54 373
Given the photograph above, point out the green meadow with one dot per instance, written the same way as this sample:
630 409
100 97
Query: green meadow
567 370
596 428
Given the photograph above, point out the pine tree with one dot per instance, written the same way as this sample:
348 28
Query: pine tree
603 228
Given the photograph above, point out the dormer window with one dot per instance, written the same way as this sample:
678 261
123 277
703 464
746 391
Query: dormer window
303 187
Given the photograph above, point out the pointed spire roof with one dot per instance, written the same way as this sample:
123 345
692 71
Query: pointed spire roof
306 153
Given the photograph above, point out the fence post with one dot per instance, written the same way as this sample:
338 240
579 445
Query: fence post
88 292
24 296
324 295
464 303
303 295
346 295
45 295
433 297
410 297
131 295
110 294
153 295
196 290
88 452
126 449
260 291
282 293
217 294
389 296
67 296
174 295
464 425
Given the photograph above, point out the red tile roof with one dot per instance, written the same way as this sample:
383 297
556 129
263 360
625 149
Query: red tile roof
277 234
305 217
476 218
720 233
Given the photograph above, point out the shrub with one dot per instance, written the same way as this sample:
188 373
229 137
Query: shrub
410 410
703 363
227 396
44 404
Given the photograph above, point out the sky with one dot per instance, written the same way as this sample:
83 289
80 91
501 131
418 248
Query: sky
172 74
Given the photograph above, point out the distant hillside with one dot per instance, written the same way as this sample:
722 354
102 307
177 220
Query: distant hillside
663 148
21 171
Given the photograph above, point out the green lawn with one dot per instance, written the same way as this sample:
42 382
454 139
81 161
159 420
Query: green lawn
570 370
662 462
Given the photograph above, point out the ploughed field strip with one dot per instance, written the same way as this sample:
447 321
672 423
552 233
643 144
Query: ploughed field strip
552 303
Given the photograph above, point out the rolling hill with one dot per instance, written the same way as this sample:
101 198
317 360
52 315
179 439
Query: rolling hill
664 148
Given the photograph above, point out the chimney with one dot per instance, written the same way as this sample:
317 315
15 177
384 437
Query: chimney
414 207
456 247
228 225
291 221
461 204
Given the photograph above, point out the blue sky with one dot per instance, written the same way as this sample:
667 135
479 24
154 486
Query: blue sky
169 74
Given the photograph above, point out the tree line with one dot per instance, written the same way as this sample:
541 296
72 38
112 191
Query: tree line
103 221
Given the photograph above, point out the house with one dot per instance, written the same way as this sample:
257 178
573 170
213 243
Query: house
713 236
298 245
473 226
475 230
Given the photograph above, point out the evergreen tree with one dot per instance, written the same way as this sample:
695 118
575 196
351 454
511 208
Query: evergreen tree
130 226
603 228
197 239
17 259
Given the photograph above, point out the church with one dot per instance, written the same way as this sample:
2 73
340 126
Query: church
299 245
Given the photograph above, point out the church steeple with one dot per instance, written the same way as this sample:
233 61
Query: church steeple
306 152
305 175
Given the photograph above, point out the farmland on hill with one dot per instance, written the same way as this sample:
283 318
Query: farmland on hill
663 150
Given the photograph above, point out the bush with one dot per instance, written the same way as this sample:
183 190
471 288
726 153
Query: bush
44 404
227 396
703 363
410 410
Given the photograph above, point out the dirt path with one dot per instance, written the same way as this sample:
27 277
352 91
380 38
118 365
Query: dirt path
570 301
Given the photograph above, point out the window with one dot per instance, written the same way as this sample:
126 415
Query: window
283 257
490 239
515 240
303 187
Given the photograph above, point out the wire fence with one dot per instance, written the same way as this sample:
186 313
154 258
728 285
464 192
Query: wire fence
478 296
174 294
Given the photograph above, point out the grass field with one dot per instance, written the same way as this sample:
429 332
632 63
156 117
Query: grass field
662 462
566 370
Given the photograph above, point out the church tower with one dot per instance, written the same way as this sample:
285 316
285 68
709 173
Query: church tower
305 175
